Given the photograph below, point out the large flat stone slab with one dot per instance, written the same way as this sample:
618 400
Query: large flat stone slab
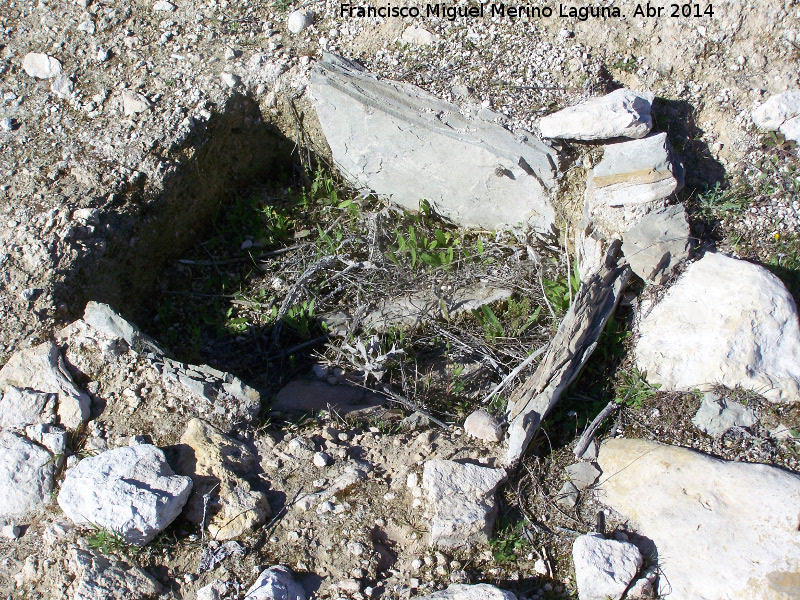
26 475
658 243
721 529
725 321
401 142
622 113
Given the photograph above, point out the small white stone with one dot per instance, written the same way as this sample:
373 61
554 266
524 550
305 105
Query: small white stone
41 66
103 54
482 425
7 124
356 548
134 103
299 20
12 532
412 481
321 459
230 80
62 87
163 6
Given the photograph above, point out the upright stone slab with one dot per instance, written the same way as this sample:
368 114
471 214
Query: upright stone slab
658 243
26 475
402 142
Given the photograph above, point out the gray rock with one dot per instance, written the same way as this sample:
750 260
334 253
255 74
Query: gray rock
460 591
215 590
312 396
276 583
461 502
62 87
102 578
582 474
567 496
106 319
417 309
230 79
131 491
723 529
418 36
26 475
635 172
604 568
41 66
22 407
471 171
658 243
716 415
482 425
725 321
299 20
622 113
42 368
782 113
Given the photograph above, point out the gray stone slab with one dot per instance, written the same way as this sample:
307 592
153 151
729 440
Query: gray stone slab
658 243
401 142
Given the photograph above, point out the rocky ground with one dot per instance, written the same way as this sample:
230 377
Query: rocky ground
222 354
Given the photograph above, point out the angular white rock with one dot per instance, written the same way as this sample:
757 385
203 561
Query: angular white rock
62 87
461 502
276 583
472 171
22 407
460 591
26 475
134 103
299 20
482 425
215 590
721 529
777 110
604 568
42 368
131 491
622 113
725 321
41 66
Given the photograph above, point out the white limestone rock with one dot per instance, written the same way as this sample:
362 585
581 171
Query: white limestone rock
604 568
42 368
471 171
721 529
215 590
461 502
131 491
163 6
299 20
106 319
460 591
62 87
780 113
22 407
622 113
41 66
480 424
276 583
725 321
26 475
717 415
582 474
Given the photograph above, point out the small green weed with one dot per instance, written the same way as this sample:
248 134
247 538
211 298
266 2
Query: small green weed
723 201
417 250
509 542
109 542
558 290
634 389
627 65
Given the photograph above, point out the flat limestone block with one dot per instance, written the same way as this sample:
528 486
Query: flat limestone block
725 321
622 113
721 529
401 142
658 243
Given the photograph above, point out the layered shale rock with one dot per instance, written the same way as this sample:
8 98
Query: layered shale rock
622 113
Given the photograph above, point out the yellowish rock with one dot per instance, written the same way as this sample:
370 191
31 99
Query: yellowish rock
217 463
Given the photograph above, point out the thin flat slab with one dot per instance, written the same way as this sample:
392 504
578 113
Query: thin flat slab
401 142
622 113
313 396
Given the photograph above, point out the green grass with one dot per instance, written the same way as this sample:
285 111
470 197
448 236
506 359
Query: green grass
633 389
109 542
